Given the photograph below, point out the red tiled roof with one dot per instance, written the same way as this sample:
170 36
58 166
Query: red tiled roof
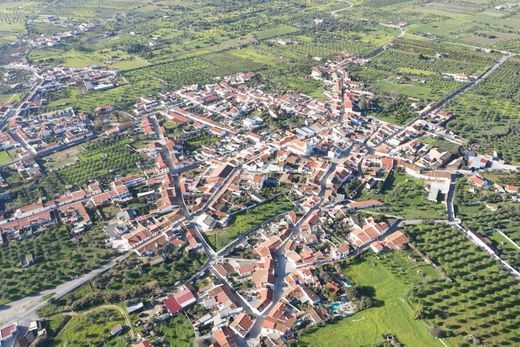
172 305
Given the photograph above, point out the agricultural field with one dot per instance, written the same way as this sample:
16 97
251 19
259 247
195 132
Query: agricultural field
478 303
473 22
11 23
100 160
489 115
64 158
474 209
244 221
122 97
193 70
390 276
47 187
108 59
417 68
404 197
57 259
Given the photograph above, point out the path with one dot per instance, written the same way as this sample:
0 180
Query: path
508 239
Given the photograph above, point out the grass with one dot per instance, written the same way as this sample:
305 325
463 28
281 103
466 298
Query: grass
256 56
56 323
177 331
404 196
73 58
55 307
92 328
247 220
63 158
441 144
4 157
390 275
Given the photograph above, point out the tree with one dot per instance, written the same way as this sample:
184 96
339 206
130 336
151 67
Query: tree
435 331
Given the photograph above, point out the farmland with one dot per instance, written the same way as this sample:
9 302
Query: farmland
414 65
418 70
390 276
479 302
57 259
489 115
101 158
129 279
473 208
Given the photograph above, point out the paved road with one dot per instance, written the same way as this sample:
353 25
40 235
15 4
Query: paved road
280 272
281 268
24 310
449 199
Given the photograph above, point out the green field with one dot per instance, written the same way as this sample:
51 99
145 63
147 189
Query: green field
4 157
405 196
391 276
93 328
414 67
177 331
118 60
473 209
247 220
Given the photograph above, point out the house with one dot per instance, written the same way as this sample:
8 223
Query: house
117 330
315 315
206 222
396 240
377 247
479 182
223 337
144 343
242 324
340 251
175 303
300 147
511 189
8 334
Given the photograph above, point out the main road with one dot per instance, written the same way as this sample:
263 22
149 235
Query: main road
24 310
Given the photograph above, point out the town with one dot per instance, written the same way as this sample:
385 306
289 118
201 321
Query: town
272 191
